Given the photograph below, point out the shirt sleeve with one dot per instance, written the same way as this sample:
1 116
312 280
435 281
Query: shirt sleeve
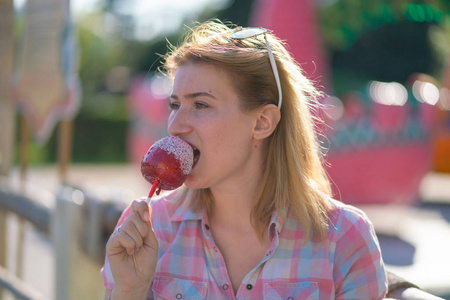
358 271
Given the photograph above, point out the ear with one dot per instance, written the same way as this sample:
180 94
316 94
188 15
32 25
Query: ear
267 120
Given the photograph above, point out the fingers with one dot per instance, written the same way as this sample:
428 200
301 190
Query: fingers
131 235
130 244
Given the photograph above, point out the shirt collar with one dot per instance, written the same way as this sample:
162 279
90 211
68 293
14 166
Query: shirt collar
184 211
278 219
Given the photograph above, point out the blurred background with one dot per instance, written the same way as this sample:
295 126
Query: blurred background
81 101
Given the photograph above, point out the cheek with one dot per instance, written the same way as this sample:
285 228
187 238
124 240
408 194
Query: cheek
230 135
215 133
223 133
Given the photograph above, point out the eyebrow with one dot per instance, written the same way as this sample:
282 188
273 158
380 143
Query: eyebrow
193 95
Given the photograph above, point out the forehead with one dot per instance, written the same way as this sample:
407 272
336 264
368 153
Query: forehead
201 76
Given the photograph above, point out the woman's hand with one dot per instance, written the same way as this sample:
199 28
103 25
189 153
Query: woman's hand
132 251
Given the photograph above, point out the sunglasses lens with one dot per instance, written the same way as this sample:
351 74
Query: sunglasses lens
247 32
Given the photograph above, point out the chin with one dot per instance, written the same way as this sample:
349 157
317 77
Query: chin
194 185
191 184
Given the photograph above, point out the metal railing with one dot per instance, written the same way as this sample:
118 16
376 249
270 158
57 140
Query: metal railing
78 225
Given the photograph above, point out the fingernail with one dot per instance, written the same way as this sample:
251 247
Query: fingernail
146 216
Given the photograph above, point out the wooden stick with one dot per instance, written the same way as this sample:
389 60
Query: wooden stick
65 147
24 160
153 189
24 151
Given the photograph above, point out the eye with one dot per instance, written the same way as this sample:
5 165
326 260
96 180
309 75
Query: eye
173 105
200 105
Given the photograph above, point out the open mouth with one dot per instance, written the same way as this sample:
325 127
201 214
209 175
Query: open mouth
196 155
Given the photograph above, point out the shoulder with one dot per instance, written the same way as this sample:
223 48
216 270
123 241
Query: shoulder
352 235
344 217
357 254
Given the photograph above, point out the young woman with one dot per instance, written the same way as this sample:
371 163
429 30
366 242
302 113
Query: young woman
255 218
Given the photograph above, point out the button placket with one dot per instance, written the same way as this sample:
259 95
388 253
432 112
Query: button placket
216 259
268 255
206 230
248 283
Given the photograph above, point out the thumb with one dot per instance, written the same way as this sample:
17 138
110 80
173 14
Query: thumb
143 209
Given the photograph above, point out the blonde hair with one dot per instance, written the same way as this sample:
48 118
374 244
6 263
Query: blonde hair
293 177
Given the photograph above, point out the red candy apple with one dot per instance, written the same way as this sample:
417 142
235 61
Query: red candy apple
167 163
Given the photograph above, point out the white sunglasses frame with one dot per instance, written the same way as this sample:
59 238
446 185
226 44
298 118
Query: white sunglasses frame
248 32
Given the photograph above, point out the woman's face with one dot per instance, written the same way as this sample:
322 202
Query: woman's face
206 113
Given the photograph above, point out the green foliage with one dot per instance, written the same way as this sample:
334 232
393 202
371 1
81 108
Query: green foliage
97 140
237 13
385 40
94 60
391 52
149 53
345 21
100 128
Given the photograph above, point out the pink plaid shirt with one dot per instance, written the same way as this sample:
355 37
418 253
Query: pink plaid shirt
348 265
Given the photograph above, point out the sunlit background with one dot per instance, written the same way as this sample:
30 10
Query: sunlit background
384 68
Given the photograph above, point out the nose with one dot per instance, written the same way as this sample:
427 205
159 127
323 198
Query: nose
179 123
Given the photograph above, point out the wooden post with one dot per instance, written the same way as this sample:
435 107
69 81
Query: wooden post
65 147
7 110
24 159
7 106
24 151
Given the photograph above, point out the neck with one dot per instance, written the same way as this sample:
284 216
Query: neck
233 199
227 208
233 205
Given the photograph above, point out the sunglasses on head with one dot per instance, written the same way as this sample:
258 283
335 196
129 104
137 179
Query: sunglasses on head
249 32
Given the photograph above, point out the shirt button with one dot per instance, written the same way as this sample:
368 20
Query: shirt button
179 296
290 298
215 249
225 286
249 287
207 226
